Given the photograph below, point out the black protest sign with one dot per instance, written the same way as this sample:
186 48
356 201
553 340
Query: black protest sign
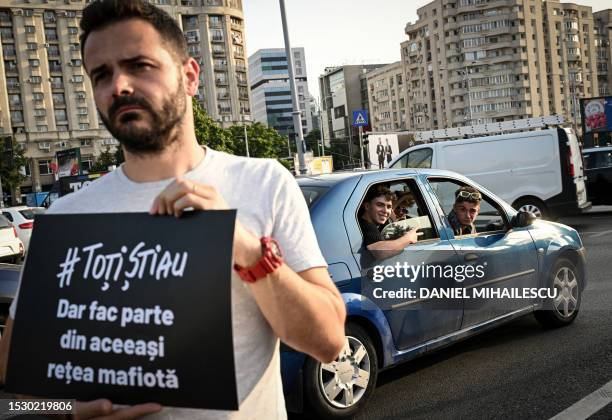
130 307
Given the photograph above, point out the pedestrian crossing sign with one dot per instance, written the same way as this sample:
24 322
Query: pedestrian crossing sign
360 118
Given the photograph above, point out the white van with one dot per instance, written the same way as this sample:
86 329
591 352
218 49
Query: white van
537 171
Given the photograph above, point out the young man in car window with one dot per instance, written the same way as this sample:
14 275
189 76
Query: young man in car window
465 210
377 208
143 82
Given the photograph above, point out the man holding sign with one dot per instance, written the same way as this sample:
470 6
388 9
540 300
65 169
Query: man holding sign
143 80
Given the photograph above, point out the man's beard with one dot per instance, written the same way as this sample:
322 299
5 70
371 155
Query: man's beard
147 140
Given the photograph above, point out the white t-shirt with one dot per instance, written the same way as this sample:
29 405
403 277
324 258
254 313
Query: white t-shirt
269 203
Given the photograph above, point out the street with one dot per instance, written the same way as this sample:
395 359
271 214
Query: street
518 370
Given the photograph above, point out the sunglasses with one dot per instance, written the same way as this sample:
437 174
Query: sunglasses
469 195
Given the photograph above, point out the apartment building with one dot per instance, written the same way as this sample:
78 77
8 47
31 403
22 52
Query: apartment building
343 90
271 93
386 95
480 61
603 43
46 101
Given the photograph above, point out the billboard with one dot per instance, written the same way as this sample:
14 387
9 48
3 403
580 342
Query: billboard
68 163
596 114
382 148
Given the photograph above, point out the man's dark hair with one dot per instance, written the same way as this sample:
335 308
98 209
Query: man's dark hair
379 191
470 199
101 13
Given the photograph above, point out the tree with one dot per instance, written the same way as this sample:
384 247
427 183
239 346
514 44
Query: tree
102 162
313 141
11 163
119 156
208 132
264 142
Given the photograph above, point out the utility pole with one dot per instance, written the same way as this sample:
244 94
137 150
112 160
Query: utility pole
297 114
246 137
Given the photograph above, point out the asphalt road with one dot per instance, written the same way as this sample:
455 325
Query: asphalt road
520 370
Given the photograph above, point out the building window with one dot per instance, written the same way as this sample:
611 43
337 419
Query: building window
57 82
16 116
59 99
83 126
82 111
86 163
15 99
85 142
60 115
44 167
42 128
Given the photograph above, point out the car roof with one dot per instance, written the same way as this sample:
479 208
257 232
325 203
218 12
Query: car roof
597 149
328 180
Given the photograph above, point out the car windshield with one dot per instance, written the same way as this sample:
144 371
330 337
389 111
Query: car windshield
312 194
30 213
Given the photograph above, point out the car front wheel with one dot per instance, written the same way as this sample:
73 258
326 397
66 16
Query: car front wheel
339 389
561 310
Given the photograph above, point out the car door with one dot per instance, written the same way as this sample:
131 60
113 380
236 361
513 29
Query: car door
507 258
412 320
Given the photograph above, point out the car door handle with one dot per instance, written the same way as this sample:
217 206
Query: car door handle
471 257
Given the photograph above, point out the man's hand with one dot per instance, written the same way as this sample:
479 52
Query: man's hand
411 237
103 410
183 193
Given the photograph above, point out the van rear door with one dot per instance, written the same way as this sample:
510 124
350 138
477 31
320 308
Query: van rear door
576 169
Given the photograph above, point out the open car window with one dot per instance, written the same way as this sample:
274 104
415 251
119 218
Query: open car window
409 211
491 217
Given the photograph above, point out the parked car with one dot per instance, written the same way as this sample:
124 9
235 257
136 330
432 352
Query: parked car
9 282
517 250
598 170
537 171
22 218
11 247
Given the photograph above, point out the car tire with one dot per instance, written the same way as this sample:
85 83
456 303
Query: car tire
532 205
563 310
342 376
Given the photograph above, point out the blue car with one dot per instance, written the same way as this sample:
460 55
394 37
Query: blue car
513 265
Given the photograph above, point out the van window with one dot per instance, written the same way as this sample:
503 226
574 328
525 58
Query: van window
420 158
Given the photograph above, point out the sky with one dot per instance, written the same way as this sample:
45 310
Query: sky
337 32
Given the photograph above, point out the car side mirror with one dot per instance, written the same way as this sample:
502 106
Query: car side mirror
523 219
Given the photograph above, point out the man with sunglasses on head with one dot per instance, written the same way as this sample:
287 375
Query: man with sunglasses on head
465 210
